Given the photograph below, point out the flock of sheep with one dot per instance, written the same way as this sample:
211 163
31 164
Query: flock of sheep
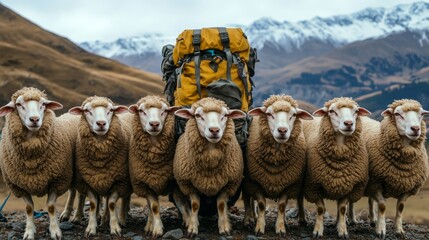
105 152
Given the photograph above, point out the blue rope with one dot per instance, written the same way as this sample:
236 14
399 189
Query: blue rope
4 202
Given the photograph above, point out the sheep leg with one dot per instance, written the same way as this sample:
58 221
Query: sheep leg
341 218
371 208
280 222
223 218
260 222
249 209
157 227
182 205
123 210
301 210
318 226
54 228
149 223
115 229
30 228
398 219
92 222
65 215
381 219
193 220
77 216
351 217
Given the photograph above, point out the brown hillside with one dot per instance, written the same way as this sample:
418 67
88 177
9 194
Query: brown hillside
32 56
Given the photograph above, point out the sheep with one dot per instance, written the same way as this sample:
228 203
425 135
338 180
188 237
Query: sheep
337 160
151 152
208 158
398 162
276 158
102 157
37 152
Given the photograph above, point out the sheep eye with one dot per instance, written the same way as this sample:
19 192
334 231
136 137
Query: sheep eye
18 105
294 115
332 112
141 111
270 115
197 115
398 115
87 111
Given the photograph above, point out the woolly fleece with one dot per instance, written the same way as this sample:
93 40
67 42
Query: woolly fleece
204 167
151 163
273 168
102 161
393 168
38 162
333 171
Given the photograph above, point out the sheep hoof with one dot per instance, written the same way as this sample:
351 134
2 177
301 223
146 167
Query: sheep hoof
344 236
372 224
400 235
64 217
317 235
89 233
191 235
282 234
115 232
382 236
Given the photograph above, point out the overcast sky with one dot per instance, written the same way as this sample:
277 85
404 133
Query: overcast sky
107 20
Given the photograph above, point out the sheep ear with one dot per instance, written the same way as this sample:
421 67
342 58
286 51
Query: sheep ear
53 105
234 114
133 109
320 112
363 112
8 108
119 109
172 109
303 114
387 113
425 112
76 110
259 111
185 113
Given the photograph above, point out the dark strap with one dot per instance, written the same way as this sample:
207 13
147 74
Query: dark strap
224 38
196 42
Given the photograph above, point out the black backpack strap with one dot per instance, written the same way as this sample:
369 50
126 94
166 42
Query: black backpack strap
224 38
196 42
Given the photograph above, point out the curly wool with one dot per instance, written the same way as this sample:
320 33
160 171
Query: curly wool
151 163
280 98
203 167
273 168
38 162
152 101
334 171
342 102
102 161
393 168
29 93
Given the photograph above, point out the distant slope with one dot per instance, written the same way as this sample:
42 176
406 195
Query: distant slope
32 56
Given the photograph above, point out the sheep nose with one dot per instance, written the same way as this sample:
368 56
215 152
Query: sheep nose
214 130
34 119
348 123
282 130
154 124
415 128
101 123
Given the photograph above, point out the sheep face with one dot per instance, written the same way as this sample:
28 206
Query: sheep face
31 112
152 119
407 122
343 119
280 122
99 118
211 124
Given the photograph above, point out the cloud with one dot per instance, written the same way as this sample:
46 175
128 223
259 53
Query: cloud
106 20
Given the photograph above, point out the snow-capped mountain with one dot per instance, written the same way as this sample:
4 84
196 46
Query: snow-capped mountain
288 36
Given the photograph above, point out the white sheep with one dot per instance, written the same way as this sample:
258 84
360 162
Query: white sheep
208 158
337 160
151 152
276 159
398 161
36 152
102 157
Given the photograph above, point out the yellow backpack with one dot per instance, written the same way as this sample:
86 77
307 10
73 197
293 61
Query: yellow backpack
216 62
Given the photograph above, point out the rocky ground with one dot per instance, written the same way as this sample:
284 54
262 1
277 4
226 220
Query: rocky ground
15 226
